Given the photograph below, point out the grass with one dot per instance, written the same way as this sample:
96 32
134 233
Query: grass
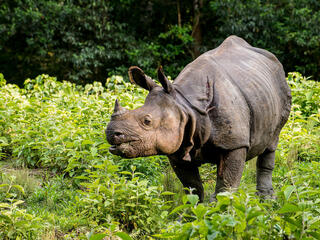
28 179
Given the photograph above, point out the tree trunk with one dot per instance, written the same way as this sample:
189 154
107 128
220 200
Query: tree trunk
196 28
179 13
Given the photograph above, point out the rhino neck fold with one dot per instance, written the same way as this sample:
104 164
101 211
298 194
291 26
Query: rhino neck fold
196 118
199 110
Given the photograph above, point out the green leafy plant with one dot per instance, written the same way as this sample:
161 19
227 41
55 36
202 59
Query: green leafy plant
244 216
84 192
15 222
2 80
130 203
300 137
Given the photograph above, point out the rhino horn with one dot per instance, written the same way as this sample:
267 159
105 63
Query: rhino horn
118 110
116 106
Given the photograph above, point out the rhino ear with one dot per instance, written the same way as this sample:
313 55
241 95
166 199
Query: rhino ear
138 77
166 84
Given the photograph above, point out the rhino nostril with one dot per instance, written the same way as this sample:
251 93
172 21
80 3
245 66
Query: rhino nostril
118 134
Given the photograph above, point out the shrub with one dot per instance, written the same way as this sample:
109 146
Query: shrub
131 203
243 215
60 126
15 222
300 136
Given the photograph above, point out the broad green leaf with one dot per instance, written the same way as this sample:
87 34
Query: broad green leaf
288 191
104 146
167 193
18 203
85 142
98 236
165 235
193 199
130 205
126 173
200 210
99 166
179 208
4 205
254 214
82 177
314 234
309 95
212 235
69 144
294 222
6 218
20 188
240 207
289 208
123 236
93 151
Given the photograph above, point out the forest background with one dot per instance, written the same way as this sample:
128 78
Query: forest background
86 41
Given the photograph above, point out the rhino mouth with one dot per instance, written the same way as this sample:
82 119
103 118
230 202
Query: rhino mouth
123 149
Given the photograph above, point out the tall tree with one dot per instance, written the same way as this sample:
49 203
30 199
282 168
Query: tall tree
196 28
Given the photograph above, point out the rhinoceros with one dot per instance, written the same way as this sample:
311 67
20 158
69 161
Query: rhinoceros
226 107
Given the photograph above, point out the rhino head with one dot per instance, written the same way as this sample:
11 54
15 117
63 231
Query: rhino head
160 127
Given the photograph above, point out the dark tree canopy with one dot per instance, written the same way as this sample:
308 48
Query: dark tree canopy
83 41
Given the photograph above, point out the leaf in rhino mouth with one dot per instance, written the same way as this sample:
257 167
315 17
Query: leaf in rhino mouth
124 147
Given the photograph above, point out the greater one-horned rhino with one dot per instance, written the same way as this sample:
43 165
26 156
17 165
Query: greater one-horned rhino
225 107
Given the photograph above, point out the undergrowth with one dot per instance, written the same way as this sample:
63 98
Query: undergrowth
59 181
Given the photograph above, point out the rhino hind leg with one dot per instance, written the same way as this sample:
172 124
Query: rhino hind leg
229 172
189 176
265 166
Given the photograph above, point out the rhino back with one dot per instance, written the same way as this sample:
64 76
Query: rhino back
250 101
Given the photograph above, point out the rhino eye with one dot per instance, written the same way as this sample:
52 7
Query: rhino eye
147 121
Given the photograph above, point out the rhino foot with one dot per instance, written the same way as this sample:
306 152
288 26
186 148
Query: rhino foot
266 193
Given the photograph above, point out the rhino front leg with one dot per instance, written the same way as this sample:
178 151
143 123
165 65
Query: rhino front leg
265 166
188 174
230 168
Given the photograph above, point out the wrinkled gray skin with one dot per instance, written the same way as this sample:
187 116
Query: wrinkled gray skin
225 107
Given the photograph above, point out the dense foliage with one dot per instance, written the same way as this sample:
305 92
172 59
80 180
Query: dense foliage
72 188
83 41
